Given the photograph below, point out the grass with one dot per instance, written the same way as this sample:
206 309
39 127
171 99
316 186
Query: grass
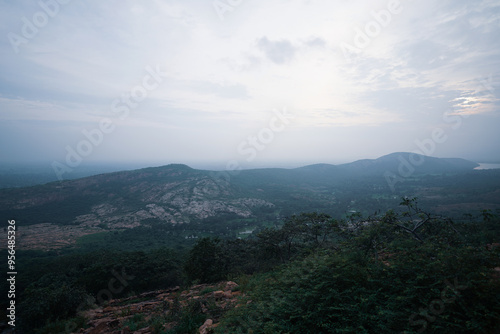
136 322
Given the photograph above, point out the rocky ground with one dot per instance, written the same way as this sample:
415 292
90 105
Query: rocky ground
118 201
47 236
163 310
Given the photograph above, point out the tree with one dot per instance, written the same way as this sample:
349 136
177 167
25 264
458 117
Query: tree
52 297
207 262
300 233
405 272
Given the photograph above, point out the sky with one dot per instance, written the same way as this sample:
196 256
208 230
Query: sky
242 84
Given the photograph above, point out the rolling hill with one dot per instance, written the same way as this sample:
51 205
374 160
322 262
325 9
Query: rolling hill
177 194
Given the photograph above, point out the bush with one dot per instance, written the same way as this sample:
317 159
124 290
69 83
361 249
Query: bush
53 297
379 279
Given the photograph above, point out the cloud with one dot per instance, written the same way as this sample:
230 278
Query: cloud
228 75
279 52
315 42
225 90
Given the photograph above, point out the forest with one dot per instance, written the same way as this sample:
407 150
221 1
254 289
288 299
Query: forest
401 271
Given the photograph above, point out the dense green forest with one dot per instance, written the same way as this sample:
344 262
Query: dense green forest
403 270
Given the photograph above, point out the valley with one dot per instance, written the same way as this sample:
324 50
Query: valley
57 214
177 234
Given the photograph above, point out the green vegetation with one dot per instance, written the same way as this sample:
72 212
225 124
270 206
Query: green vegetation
54 287
405 270
207 262
385 274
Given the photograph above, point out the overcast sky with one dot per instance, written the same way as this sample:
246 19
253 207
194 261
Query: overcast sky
252 83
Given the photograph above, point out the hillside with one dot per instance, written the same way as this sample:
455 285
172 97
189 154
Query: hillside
399 163
414 163
154 311
382 274
173 193
59 213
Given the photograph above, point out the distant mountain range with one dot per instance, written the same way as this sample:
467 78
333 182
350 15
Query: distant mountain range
394 165
180 194
422 164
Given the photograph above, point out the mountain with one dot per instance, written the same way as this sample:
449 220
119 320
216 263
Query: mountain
419 164
177 194
396 163
173 193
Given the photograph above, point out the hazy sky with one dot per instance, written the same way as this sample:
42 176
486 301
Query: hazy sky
246 82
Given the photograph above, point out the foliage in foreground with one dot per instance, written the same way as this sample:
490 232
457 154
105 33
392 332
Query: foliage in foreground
397 273
405 271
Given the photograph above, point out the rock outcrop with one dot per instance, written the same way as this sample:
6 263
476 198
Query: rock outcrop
161 310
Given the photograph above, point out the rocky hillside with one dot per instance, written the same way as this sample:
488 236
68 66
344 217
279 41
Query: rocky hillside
162 310
173 193
179 194
56 214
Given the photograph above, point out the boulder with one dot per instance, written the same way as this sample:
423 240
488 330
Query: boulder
204 329
218 294
230 285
